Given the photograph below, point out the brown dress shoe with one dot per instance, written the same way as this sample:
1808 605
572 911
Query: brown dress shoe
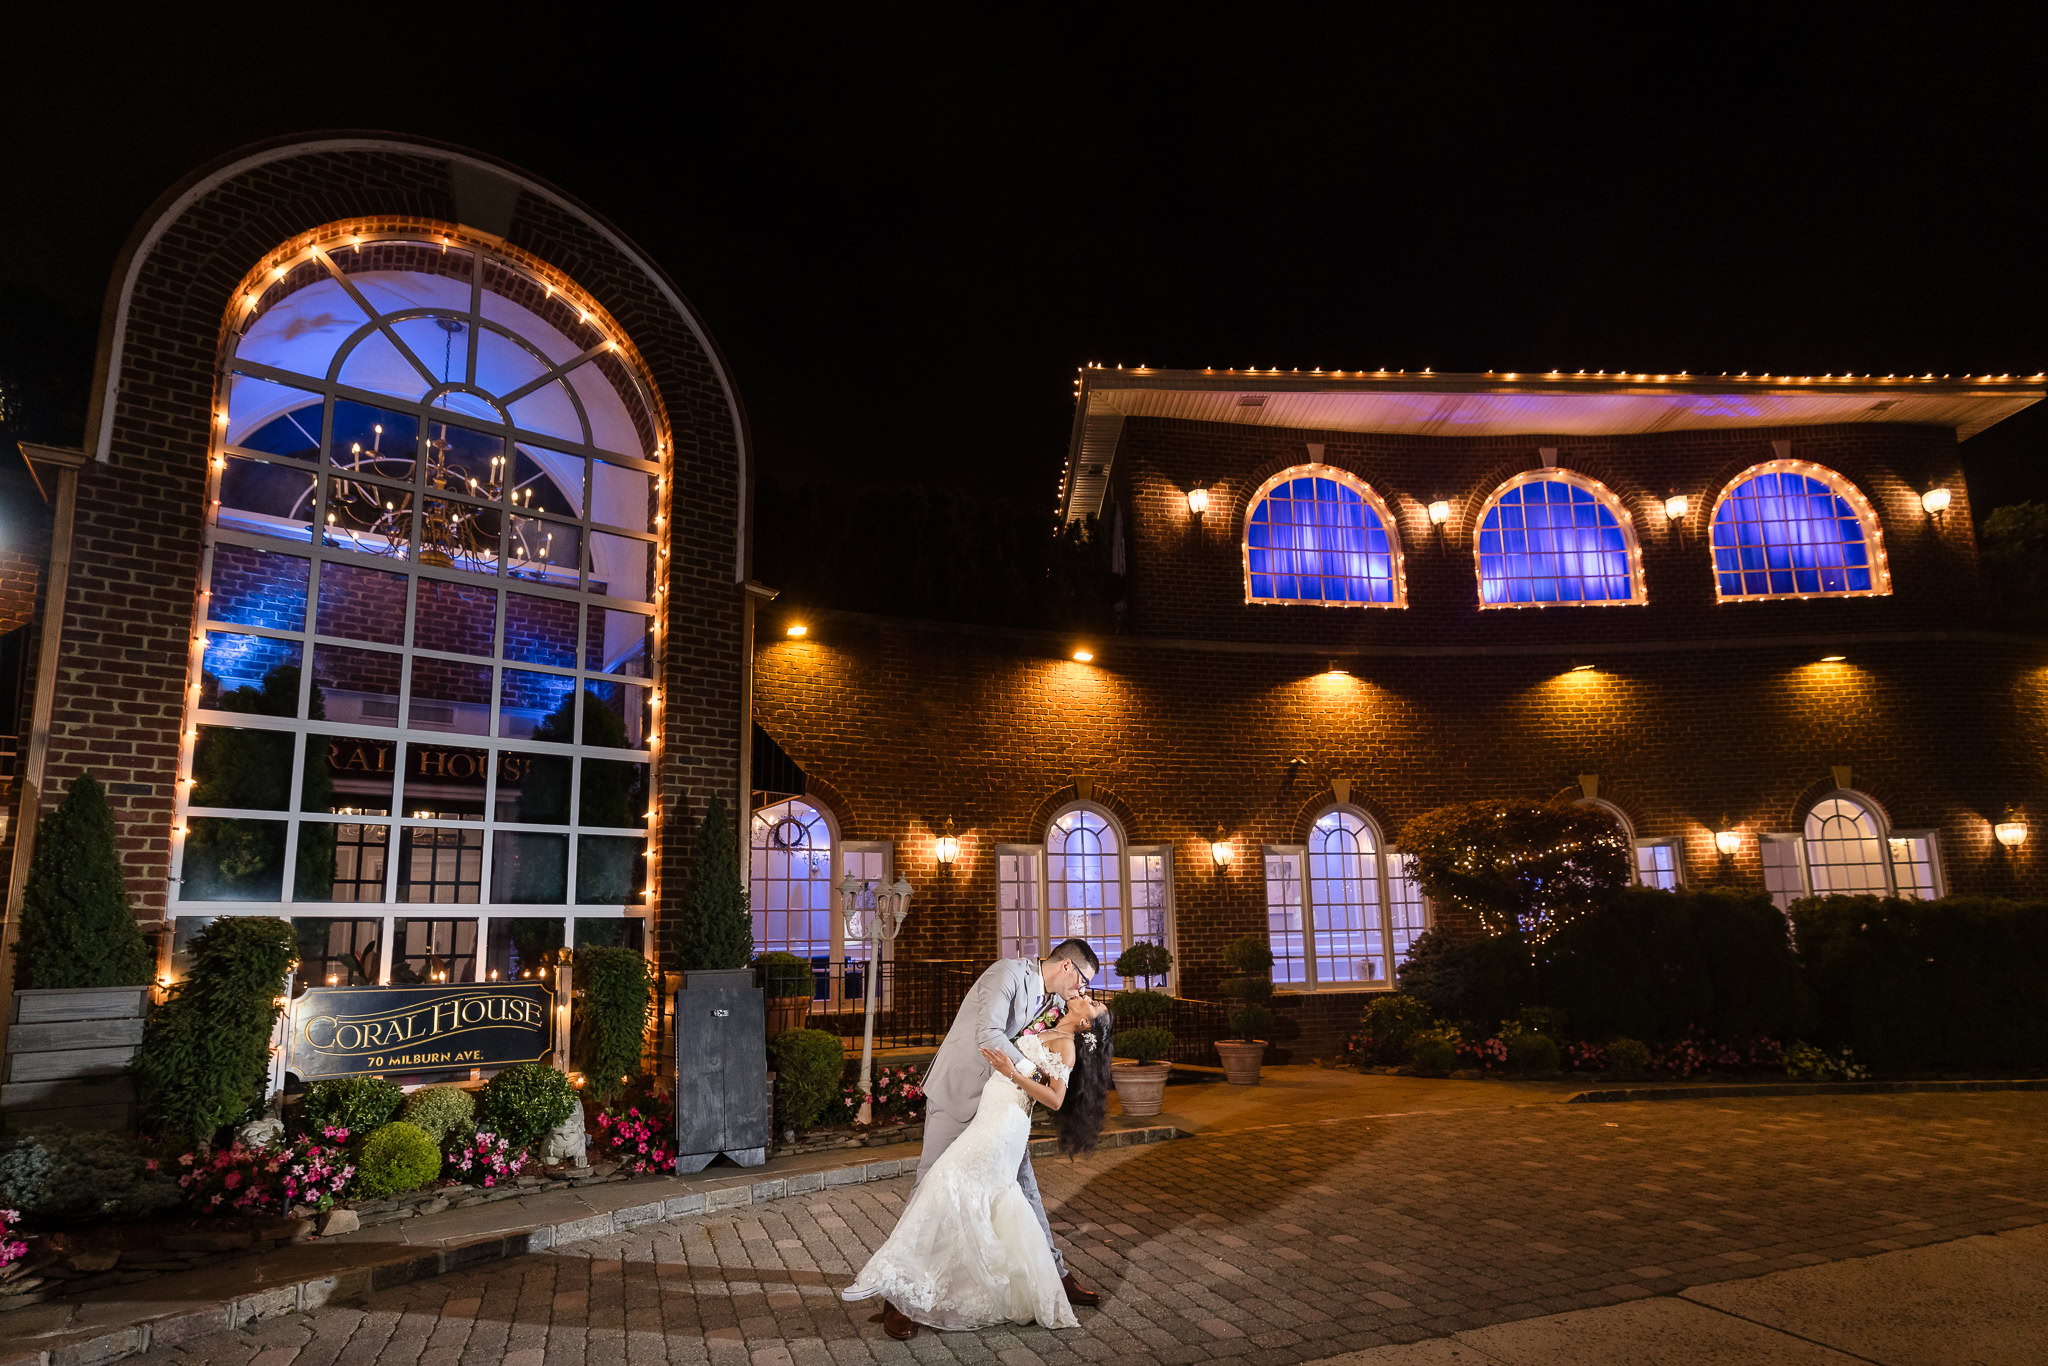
1079 1294
897 1324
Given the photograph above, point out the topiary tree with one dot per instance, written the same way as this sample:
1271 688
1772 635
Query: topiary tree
1250 985
718 933
76 928
205 1053
618 995
1517 865
1141 1032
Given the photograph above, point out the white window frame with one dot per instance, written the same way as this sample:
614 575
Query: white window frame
1841 487
1677 848
1384 855
1398 587
1632 545
1040 885
1886 833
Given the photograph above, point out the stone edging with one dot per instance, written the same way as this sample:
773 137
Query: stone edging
1809 1088
422 1264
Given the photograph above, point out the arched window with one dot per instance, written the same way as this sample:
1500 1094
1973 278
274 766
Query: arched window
790 883
427 643
1788 528
1351 920
1848 848
1320 535
1085 882
1551 537
1658 862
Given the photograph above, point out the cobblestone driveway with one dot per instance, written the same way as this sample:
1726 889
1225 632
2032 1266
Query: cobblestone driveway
1271 1246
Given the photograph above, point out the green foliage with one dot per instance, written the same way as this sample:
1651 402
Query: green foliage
72 1176
397 1158
618 998
76 928
1472 982
2014 542
205 1054
1434 1052
1249 985
783 975
523 1102
1389 1026
806 1064
440 1111
1918 986
357 1104
1249 955
1145 1044
1517 865
1144 962
717 931
1628 1057
1137 1007
1529 1051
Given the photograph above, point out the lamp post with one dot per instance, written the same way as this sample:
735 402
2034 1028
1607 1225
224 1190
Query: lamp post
874 928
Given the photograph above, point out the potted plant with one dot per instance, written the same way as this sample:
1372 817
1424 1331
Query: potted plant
721 1027
1250 987
1141 1034
785 980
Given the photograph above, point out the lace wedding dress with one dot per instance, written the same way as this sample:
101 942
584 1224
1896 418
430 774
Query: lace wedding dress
968 1252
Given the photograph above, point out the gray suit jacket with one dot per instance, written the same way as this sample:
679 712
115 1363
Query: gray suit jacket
1001 1002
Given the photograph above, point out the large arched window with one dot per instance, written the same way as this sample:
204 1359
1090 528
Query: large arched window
425 670
1847 847
1341 911
1790 528
1087 881
1320 535
1551 537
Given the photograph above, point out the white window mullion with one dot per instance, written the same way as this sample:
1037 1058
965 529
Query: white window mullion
1020 901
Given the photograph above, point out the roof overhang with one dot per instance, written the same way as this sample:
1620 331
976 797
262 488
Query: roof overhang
1510 403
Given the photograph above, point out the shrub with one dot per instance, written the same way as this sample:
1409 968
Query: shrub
398 1157
243 1180
783 975
717 931
1516 865
1529 1051
1144 962
1250 985
357 1104
439 1111
484 1159
1434 1052
523 1102
1805 1062
1628 1057
1389 1025
76 928
71 1176
894 1097
1471 982
205 1056
1146 1044
618 995
807 1064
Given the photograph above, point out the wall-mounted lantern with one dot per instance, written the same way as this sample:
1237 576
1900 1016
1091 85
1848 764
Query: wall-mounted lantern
947 847
1727 839
1676 506
797 630
1935 501
2011 832
1219 847
1084 656
1198 500
1439 513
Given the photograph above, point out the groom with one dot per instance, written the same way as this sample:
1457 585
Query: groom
1014 995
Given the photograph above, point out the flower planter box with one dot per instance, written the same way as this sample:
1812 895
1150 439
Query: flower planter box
67 1057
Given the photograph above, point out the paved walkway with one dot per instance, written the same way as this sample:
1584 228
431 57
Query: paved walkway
1330 1214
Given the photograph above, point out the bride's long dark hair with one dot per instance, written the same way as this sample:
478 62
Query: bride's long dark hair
1078 1121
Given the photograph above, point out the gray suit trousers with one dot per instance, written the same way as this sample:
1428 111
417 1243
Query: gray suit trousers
939 1132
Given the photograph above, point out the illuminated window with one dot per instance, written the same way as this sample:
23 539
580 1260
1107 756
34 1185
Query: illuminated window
1847 849
1319 535
1844 850
1340 913
1550 537
1792 529
1084 883
790 882
1658 865
426 663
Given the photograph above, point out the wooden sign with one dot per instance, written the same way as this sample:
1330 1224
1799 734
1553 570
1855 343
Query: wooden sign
443 1027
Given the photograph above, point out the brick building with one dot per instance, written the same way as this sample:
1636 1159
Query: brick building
1756 642
401 470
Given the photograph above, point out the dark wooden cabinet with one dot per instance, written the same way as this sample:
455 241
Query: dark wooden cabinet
721 1071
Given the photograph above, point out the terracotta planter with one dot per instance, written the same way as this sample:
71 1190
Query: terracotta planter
1140 1086
786 1013
1241 1060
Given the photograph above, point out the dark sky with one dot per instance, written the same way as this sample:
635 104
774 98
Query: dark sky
906 238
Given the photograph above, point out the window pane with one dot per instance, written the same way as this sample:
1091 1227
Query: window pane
342 861
445 782
362 604
450 696
533 788
610 870
540 630
1319 540
1913 866
243 770
545 552
459 618
368 517
620 643
373 443
534 701
433 951
1017 913
1800 525
438 865
348 774
274 418
791 890
1344 892
336 953
524 947
621 496
359 686
614 793
266 499
250 587
621 567
250 674
1285 923
529 869
627 719
612 932
1549 540
229 859
1843 854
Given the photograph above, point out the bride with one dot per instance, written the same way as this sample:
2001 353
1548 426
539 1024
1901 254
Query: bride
968 1251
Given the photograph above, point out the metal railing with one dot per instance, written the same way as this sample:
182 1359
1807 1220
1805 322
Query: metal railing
915 1002
1196 1026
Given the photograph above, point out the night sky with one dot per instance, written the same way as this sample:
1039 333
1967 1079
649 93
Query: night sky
906 239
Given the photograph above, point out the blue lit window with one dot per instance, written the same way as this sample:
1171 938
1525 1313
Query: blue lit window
1556 538
1320 536
1789 529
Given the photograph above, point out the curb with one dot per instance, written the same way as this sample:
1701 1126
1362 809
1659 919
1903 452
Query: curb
277 1301
1806 1088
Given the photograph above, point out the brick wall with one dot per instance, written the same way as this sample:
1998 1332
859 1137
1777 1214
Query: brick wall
129 617
21 575
902 725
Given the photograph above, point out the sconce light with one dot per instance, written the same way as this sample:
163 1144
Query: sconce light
1219 847
1198 500
2011 832
1584 668
1439 512
1935 501
947 847
1832 659
1676 506
1727 840
1083 657
797 630
1336 670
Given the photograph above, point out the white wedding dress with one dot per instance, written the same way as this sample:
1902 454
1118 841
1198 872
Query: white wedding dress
968 1251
